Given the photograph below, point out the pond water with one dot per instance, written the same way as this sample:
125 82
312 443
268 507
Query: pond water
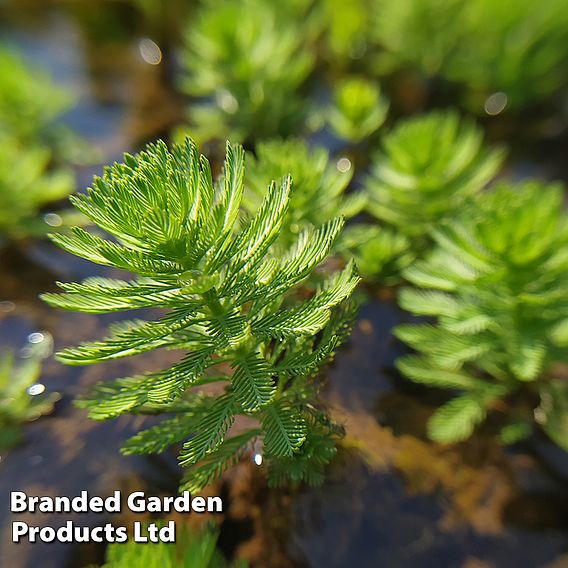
392 498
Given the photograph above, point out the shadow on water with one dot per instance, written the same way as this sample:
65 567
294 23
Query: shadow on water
392 498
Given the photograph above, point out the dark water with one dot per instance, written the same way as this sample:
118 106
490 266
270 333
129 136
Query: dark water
392 499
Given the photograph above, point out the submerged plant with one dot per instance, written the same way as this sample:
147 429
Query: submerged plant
22 398
380 253
250 68
427 169
30 102
346 27
497 282
358 110
518 48
318 187
26 185
227 306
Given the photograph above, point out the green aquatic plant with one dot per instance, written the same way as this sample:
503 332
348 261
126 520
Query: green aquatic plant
359 109
230 306
380 253
346 29
27 184
318 188
22 398
518 48
30 102
497 284
249 71
192 549
427 169
419 34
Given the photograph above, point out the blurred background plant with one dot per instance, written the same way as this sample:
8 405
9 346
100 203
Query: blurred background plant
497 282
345 28
27 183
359 109
194 548
251 75
427 169
22 397
503 54
318 186
31 108
35 149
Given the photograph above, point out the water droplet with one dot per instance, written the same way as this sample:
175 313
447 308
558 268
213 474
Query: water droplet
227 101
26 352
7 306
36 389
35 460
343 164
36 337
150 51
258 459
495 103
53 219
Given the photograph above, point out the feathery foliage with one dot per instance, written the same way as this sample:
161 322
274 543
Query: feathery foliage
427 168
497 282
18 402
358 109
226 300
516 47
250 68
318 187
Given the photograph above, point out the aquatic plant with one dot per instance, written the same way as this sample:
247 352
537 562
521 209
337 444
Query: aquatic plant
379 252
359 109
22 398
497 282
427 169
30 102
250 70
318 189
26 185
228 306
346 29
192 549
518 48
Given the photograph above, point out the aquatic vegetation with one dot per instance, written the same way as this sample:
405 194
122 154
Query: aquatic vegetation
379 252
427 169
358 110
26 185
251 70
192 549
346 29
497 284
318 188
22 398
519 49
30 103
228 306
